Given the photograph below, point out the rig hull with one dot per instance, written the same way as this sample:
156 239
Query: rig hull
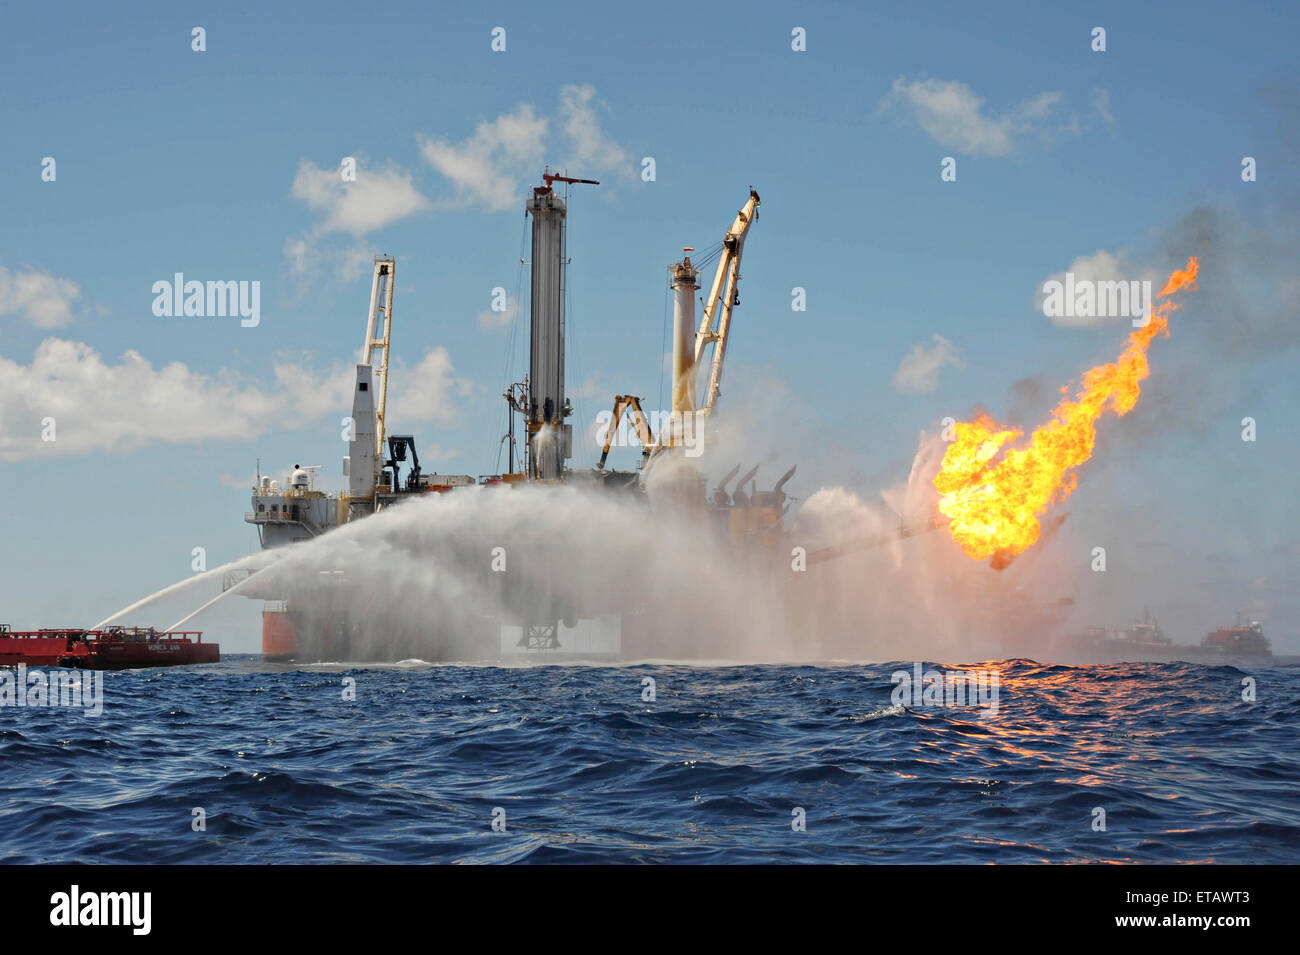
280 641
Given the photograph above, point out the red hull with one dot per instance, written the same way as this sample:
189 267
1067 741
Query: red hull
105 650
41 651
120 656
279 637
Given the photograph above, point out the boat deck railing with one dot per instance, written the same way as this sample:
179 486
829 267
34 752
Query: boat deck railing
108 636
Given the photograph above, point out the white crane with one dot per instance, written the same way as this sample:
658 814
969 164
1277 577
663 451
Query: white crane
370 394
380 317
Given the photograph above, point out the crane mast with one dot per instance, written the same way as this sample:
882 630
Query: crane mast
370 395
380 318
715 323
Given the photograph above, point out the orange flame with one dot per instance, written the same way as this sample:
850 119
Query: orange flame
993 506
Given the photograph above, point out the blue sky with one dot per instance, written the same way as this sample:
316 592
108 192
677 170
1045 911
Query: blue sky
222 165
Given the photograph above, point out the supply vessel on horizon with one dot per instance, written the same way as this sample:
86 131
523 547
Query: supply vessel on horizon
113 648
1145 641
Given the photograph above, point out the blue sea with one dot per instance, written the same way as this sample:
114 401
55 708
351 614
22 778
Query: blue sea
244 762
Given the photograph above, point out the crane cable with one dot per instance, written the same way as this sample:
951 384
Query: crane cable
513 338
663 349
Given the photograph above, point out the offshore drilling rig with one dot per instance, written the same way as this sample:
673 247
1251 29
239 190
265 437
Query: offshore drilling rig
313 621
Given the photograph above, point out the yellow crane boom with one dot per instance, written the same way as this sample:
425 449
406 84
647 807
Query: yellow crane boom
631 405
715 323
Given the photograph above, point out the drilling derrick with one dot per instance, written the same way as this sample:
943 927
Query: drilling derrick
550 438
546 428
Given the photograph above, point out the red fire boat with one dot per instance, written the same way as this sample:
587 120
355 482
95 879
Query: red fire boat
114 648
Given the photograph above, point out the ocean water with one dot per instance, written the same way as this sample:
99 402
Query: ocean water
580 768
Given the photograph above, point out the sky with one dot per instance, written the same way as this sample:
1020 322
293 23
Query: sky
922 294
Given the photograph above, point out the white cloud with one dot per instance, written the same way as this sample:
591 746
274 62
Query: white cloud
100 406
37 297
374 199
593 150
1100 266
312 393
954 116
494 321
920 367
429 392
490 169
486 169
1101 106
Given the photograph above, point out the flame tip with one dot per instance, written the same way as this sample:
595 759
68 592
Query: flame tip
993 492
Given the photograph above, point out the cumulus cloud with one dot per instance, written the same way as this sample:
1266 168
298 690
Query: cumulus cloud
38 298
429 392
920 367
97 405
494 321
955 117
490 169
1100 266
485 169
581 123
375 198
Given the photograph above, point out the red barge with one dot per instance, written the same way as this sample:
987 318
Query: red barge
114 648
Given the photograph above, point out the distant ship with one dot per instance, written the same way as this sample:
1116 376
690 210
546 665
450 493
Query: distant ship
1146 641
1144 633
1240 640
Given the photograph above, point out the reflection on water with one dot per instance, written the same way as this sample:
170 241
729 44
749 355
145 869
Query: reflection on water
1168 756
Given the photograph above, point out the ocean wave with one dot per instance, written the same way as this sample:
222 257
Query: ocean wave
723 764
